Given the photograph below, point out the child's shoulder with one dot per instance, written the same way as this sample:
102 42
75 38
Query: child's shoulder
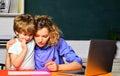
16 44
32 42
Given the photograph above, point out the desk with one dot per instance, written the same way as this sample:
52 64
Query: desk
5 73
109 74
60 74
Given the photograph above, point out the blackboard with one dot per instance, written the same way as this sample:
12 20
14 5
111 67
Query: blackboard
80 19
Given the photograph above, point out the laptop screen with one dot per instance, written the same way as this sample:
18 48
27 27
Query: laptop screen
100 57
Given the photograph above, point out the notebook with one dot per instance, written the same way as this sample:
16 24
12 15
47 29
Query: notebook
29 73
100 58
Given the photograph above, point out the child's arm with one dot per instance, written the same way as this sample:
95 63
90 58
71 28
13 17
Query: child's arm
18 59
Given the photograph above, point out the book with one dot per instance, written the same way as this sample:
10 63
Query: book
29 73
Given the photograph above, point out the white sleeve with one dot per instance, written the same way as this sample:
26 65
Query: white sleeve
12 50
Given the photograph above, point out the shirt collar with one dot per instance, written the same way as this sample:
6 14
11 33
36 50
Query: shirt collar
45 47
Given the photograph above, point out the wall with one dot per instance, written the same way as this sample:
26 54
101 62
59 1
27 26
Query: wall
6 29
81 19
81 47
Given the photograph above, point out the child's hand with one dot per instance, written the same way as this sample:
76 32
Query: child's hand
52 66
23 44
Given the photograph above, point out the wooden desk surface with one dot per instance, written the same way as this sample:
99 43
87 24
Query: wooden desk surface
5 73
59 74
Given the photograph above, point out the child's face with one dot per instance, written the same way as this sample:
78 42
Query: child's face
25 36
42 37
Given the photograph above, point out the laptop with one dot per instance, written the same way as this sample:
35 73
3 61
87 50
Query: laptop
100 58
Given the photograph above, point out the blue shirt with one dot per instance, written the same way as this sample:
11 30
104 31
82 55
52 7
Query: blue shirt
62 49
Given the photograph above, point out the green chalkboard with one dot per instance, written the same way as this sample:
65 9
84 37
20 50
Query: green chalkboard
80 19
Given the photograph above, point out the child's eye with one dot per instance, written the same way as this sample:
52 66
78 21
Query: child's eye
25 34
31 34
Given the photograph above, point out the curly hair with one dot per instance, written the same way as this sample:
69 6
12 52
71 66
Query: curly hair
42 21
24 23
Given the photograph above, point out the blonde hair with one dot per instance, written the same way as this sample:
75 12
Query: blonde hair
54 32
24 23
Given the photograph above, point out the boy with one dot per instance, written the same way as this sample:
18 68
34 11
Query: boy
22 51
